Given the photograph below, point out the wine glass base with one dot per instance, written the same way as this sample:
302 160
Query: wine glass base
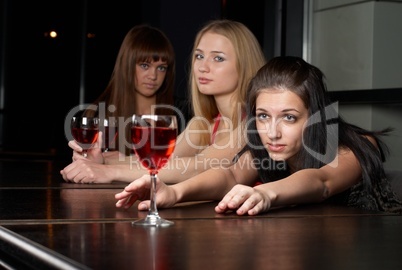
155 221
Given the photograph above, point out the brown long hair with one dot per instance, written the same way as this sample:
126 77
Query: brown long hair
142 43
326 131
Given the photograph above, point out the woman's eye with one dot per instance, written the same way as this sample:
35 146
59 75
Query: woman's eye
290 118
262 116
219 59
162 68
144 65
199 56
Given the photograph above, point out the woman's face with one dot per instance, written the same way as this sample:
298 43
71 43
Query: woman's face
149 77
215 65
280 116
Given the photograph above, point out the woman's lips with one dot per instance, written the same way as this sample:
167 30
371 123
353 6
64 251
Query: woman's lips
150 86
203 80
276 147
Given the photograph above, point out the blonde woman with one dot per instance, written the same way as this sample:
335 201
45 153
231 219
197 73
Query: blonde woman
225 56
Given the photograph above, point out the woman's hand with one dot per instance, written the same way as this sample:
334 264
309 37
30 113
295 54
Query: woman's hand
140 190
88 169
244 200
85 171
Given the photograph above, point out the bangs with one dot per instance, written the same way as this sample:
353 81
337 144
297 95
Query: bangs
153 52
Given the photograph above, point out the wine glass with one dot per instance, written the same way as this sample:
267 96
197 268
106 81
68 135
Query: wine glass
154 138
109 134
85 131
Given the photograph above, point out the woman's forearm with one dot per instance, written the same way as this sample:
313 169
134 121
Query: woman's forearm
305 186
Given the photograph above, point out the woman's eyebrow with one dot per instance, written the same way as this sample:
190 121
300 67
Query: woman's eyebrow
284 110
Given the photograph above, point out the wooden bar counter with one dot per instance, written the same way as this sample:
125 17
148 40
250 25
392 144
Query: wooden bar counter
46 223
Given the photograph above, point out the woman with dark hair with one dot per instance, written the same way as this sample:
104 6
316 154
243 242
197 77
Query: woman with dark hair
298 147
142 82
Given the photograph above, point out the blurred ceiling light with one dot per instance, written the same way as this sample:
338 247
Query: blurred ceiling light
51 34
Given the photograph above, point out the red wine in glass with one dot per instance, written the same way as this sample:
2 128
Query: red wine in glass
85 131
153 138
155 145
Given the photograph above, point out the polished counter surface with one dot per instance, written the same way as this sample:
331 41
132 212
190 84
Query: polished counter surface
47 223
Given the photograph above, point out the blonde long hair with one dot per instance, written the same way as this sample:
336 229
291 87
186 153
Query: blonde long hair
250 58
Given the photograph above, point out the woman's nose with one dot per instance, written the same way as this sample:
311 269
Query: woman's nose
273 130
203 66
152 73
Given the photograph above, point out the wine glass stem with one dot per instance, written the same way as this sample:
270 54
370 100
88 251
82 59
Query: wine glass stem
84 153
152 209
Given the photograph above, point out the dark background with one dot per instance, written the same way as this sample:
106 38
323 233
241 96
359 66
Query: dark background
42 79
